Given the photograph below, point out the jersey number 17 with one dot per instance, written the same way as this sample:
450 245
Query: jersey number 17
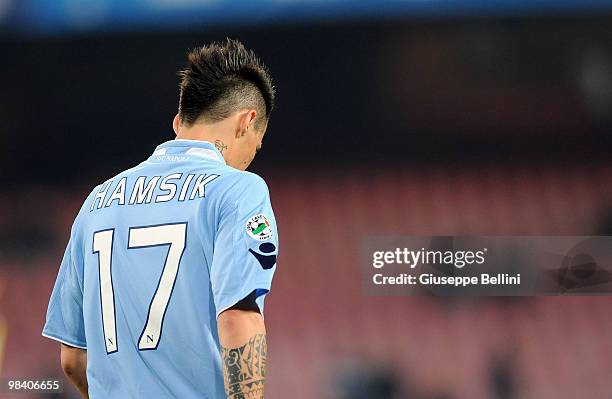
172 235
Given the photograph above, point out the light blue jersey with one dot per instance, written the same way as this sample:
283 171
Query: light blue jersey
155 255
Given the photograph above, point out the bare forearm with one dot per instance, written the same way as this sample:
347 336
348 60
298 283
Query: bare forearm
79 379
244 356
74 364
245 369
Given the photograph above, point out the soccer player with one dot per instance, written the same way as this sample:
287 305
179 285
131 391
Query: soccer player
161 290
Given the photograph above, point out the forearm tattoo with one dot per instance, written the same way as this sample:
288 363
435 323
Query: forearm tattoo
220 146
244 369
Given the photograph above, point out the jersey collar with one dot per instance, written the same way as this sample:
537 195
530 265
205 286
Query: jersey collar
197 148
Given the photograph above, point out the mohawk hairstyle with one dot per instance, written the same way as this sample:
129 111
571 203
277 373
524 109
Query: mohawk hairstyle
222 78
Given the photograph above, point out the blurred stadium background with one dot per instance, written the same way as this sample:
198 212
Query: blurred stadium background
396 117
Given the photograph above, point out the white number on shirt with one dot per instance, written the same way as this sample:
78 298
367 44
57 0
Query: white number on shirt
102 245
173 235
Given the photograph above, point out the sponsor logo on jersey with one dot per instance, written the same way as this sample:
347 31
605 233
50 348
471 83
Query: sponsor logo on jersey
267 259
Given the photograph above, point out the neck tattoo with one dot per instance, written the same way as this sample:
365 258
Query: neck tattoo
220 146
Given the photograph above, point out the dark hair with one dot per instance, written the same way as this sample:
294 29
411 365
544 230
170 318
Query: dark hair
222 78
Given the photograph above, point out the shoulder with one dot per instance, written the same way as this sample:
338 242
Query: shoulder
248 181
237 181
239 186
101 189
114 180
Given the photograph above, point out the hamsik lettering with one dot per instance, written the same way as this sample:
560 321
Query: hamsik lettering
144 190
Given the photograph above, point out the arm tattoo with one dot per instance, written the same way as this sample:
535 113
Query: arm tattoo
244 369
220 146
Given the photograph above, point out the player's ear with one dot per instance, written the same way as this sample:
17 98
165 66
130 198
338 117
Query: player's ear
246 122
176 122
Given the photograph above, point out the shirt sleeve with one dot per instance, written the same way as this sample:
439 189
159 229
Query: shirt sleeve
64 321
246 244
